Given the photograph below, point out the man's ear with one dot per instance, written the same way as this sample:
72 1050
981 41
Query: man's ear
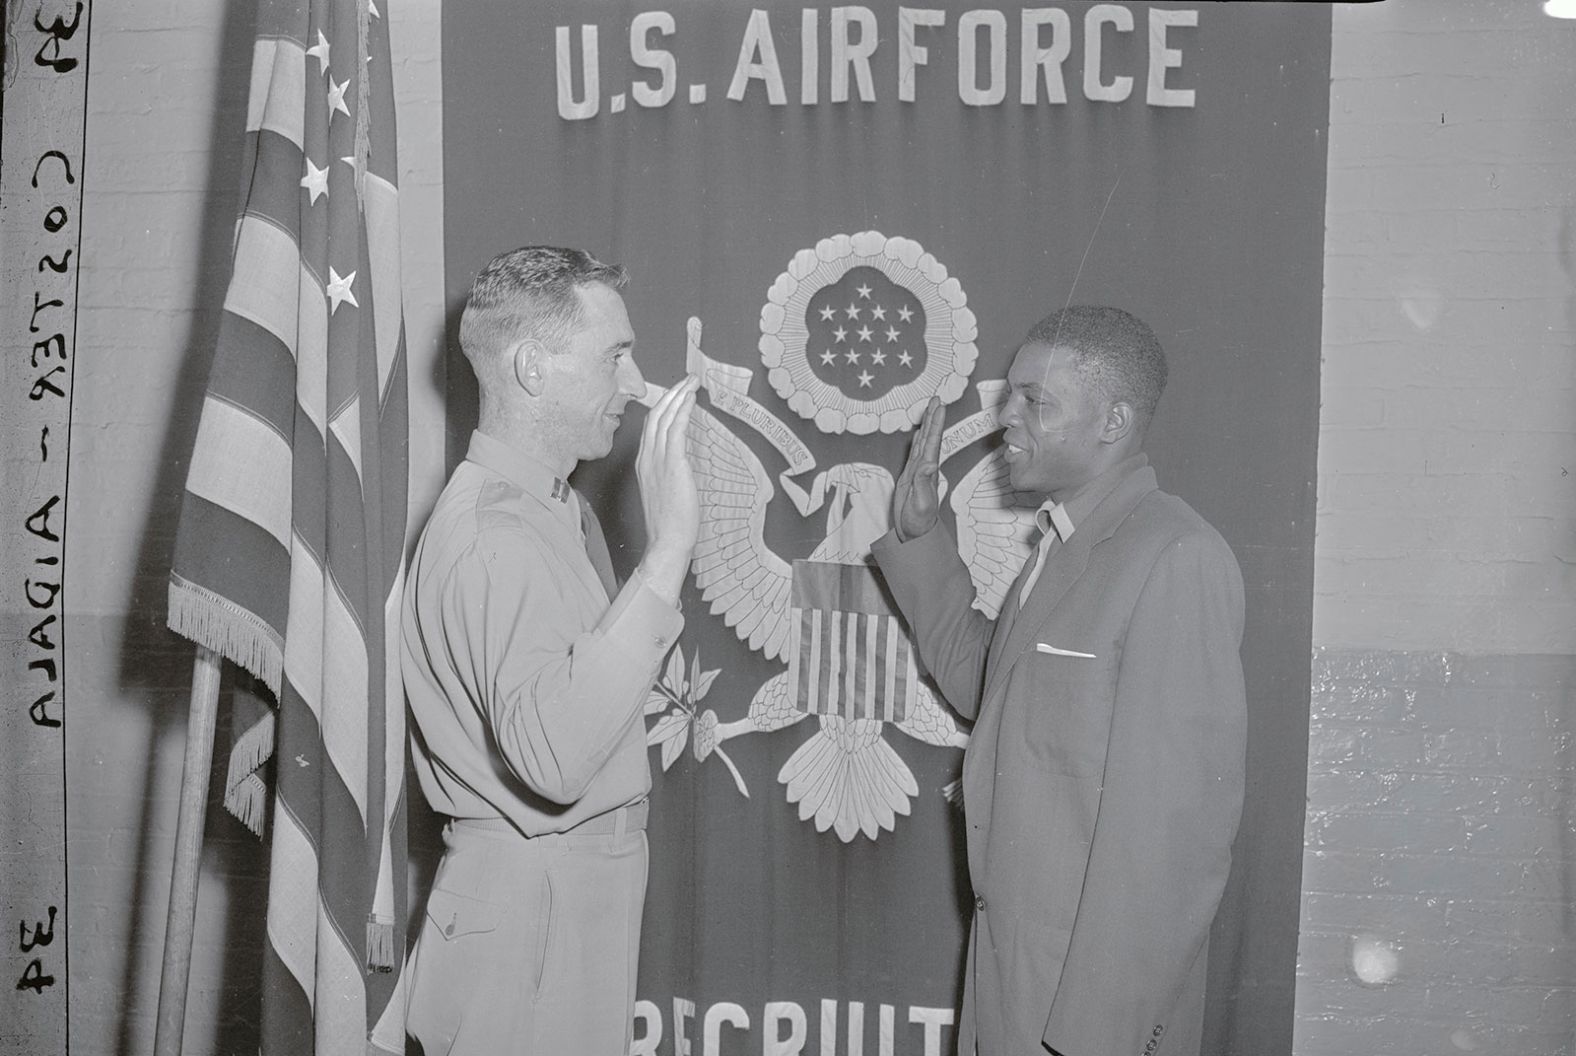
529 358
1120 421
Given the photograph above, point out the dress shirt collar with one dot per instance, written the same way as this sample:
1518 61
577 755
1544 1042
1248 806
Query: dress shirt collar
526 471
1065 516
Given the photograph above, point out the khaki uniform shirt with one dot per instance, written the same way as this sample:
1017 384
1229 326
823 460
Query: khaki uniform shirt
526 681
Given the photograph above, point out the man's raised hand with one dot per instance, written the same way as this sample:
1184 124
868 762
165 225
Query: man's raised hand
667 489
916 501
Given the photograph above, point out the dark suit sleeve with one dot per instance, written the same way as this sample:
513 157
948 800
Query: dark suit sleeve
1171 800
935 593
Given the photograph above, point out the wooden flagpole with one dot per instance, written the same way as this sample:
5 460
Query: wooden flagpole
181 921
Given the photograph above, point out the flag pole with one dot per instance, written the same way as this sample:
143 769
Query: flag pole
188 854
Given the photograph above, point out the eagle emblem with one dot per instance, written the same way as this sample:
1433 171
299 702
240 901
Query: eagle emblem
849 662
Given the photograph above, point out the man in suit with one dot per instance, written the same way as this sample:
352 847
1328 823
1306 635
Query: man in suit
527 667
1103 781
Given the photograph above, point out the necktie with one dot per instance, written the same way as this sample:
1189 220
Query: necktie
596 548
1054 525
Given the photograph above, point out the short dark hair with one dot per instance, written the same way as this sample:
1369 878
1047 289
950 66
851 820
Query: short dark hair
530 292
1114 351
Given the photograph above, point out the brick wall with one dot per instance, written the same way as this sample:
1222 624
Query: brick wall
1446 450
1440 869
166 108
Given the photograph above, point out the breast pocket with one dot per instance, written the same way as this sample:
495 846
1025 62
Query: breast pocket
1068 718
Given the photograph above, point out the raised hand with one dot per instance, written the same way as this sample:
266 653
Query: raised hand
916 501
667 490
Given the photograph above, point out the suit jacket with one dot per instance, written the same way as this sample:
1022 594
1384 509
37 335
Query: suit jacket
1103 781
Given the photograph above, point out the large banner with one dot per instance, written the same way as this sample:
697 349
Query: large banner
832 214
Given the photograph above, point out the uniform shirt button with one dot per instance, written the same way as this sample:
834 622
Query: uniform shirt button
659 641
979 903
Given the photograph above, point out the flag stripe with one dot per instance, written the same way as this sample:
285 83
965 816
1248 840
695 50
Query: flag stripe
216 534
278 88
314 793
892 660
287 1012
263 284
859 700
349 561
224 431
383 247
820 663
277 194
872 667
273 290
345 432
311 346
835 673
310 505
304 647
260 377
345 684
907 677
341 1004
393 439
292 896
382 159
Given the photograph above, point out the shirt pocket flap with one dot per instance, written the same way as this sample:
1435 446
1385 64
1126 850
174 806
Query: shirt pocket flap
457 915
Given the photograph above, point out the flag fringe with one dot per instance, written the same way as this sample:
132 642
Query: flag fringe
245 794
217 623
380 944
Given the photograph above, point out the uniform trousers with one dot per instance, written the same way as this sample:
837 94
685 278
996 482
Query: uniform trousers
529 945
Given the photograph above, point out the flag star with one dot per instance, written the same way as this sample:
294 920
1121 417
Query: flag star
336 97
315 181
892 333
864 333
905 313
878 311
905 359
853 312
864 291
828 357
338 290
865 378
840 333
878 357
853 357
827 311
319 51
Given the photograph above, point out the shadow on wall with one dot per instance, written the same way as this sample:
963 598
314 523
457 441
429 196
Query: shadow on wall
155 665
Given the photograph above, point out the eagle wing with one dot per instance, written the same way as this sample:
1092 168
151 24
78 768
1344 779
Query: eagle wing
995 527
931 721
742 580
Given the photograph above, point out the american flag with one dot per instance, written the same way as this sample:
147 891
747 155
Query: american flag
848 655
289 549
866 334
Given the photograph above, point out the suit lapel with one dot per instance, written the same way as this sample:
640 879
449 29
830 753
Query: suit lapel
1063 566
